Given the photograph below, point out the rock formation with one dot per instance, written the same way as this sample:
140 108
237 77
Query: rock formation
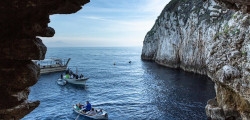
22 23
202 36
243 5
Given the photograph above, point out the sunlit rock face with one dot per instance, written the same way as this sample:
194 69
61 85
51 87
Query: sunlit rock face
22 22
206 38
243 5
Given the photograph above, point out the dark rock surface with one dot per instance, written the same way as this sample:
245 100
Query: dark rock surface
243 5
22 22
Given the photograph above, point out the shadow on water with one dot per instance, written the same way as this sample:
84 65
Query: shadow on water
176 93
77 87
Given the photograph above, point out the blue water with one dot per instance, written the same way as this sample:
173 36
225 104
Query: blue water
138 91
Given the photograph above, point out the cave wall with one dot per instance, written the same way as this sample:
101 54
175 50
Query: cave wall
22 22
204 37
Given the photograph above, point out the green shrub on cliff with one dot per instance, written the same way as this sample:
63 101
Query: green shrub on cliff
244 53
151 33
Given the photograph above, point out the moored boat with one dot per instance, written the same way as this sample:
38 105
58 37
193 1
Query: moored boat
101 116
80 81
52 65
61 82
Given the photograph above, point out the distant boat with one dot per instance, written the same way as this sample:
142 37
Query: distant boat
52 65
103 116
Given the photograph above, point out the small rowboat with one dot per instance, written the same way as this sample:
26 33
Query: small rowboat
61 82
102 116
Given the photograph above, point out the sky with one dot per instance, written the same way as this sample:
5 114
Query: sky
106 23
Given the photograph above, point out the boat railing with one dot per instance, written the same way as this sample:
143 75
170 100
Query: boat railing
52 62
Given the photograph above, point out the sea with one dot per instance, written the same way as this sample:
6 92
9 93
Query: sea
140 90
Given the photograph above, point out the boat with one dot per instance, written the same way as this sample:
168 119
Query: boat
61 82
103 116
52 65
80 81
76 80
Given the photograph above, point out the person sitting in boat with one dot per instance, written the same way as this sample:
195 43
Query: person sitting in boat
79 106
92 112
87 107
67 76
76 76
71 76
81 76
99 113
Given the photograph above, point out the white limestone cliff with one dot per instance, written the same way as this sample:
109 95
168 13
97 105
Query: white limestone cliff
203 37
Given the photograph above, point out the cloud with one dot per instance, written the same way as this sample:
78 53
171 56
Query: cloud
92 41
109 22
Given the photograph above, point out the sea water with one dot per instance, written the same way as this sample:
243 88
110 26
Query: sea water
141 90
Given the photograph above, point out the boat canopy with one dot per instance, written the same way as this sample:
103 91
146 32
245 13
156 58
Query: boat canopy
51 61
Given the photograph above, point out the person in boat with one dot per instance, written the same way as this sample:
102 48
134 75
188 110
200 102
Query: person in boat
87 107
71 76
81 76
99 113
92 112
80 106
76 76
67 71
62 76
67 76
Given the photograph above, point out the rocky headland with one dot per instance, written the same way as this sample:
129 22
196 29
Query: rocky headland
206 37
22 23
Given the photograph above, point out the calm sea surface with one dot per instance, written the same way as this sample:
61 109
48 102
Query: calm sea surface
138 91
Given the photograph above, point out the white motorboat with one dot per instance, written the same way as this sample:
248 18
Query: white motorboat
80 81
101 116
72 79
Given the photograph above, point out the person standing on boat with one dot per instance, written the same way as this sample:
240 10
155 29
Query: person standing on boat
67 76
62 76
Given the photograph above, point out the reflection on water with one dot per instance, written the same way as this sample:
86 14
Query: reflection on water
141 90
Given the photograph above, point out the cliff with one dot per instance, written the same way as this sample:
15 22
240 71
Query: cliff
243 5
22 23
203 37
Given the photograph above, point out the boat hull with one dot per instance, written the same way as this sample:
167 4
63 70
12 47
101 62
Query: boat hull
53 69
77 81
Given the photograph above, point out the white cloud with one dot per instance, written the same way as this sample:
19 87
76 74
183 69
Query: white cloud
125 23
